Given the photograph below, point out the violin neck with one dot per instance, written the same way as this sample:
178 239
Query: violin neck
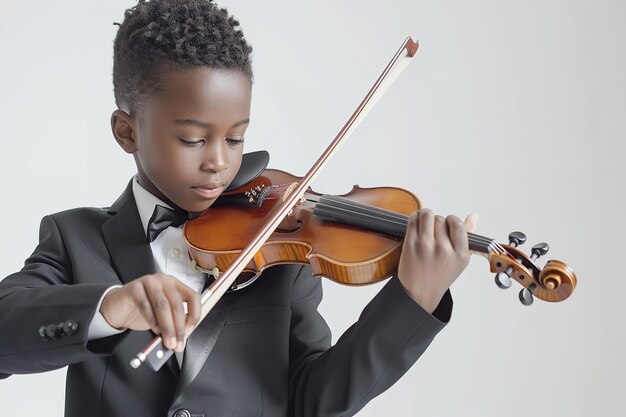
353 213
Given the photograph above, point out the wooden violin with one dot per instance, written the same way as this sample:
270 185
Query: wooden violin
354 239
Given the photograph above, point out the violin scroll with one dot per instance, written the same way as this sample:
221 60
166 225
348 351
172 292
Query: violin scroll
555 282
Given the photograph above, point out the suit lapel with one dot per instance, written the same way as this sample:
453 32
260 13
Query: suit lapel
125 239
201 342
128 246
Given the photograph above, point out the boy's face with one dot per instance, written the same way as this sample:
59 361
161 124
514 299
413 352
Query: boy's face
187 137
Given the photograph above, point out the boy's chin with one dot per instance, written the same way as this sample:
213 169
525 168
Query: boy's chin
194 208
196 212
197 208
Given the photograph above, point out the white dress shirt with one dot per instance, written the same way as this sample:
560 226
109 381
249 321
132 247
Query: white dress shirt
170 257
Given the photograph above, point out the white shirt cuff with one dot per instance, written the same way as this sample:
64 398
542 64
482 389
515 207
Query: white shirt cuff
99 327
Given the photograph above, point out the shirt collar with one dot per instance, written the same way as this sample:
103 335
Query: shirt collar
146 202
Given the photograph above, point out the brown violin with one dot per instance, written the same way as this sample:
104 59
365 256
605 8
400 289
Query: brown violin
354 239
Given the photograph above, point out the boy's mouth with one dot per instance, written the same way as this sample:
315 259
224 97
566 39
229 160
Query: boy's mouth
209 190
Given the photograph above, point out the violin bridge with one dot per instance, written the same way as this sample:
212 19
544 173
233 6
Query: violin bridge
289 190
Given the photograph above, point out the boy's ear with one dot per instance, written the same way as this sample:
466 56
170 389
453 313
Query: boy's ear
122 125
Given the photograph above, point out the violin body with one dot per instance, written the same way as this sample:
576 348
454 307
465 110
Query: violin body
344 253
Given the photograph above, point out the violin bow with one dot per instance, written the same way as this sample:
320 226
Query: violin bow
155 353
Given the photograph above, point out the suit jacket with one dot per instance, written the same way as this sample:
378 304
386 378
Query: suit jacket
273 356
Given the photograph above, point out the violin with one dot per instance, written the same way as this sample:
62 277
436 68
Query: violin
355 238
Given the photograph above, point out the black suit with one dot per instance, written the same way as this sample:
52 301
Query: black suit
272 358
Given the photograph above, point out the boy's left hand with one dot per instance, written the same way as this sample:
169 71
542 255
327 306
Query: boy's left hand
435 252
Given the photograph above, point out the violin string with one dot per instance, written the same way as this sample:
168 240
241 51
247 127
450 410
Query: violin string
398 219
376 212
277 191
403 219
499 247
390 217
373 214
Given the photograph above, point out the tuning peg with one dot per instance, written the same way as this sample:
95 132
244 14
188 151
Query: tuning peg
526 295
516 239
538 250
503 279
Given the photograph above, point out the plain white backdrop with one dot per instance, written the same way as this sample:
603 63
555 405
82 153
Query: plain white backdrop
515 110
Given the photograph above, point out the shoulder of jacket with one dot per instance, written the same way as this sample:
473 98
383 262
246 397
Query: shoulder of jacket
80 215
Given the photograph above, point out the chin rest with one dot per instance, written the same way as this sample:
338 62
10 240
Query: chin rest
252 165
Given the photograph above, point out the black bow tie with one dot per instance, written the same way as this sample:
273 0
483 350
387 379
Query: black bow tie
164 217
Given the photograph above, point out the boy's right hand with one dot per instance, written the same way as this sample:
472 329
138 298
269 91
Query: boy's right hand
154 302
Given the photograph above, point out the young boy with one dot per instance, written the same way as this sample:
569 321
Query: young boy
101 278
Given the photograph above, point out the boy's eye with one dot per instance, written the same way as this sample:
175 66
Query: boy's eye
196 142
191 142
234 141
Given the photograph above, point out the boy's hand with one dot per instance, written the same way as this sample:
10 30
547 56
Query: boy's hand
154 302
434 253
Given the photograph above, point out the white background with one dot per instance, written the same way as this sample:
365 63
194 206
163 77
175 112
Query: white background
515 110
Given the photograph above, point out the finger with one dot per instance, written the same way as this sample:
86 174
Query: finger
412 226
458 235
194 307
426 224
441 230
178 313
471 221
140 297
163 313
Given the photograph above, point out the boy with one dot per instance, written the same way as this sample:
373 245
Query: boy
182 82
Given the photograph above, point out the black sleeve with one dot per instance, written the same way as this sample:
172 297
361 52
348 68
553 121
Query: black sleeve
390 335
43 293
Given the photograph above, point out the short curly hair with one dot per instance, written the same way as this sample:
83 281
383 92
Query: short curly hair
180 34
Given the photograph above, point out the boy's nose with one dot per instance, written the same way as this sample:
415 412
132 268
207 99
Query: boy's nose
215 158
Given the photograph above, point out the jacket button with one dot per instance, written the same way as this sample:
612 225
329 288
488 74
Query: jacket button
51 331
182 413
70 327
42 333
